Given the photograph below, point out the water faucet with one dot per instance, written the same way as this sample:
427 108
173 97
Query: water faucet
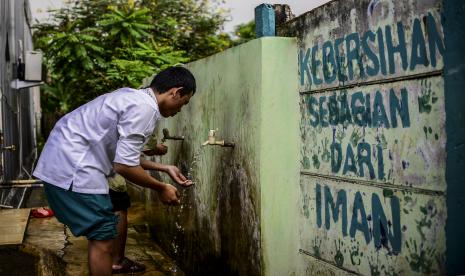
212 140
12 148
166 136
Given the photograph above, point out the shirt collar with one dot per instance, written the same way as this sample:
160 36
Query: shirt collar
150 92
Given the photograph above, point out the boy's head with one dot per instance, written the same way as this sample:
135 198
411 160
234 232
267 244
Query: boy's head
173 87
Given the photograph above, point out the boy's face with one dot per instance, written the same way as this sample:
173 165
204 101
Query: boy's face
173 102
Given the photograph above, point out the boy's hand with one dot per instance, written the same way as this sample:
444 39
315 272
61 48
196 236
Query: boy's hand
159 149
177 176
169 195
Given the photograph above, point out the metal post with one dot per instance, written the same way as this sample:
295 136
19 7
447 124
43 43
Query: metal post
454 81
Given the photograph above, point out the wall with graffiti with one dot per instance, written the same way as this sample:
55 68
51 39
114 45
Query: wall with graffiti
373 136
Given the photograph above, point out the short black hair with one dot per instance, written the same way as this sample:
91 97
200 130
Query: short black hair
175 76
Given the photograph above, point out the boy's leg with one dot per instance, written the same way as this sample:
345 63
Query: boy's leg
121 203
120 241
100 257
87 215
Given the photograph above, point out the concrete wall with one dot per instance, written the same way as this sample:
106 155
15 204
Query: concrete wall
373 158
238 218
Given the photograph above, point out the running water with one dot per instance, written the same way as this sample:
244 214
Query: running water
195 159
179 210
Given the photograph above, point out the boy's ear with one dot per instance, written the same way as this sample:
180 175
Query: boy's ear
176 91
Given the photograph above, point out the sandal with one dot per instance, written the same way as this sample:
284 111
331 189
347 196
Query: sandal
42 212
128 266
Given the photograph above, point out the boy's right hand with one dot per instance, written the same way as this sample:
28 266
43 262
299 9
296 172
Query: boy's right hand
160 149
169 195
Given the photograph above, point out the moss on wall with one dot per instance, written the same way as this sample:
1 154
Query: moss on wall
217 229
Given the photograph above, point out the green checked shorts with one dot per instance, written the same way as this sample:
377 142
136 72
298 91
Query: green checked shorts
87 215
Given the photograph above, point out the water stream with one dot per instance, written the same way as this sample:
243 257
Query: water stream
195 159
179 228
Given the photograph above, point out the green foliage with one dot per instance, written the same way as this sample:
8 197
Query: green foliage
95 46
193 26
244 32
58 98
126 27
71 58
128 71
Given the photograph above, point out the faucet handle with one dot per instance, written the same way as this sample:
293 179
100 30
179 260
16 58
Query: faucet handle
211 135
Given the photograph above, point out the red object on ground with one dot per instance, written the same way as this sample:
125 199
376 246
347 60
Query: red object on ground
42 212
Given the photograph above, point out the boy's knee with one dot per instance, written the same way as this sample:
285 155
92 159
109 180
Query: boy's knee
102 246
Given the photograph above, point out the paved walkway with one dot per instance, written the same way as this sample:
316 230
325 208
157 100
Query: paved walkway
63 254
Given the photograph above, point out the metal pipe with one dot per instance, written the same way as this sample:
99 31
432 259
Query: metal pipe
24 181
21 186
22 198
20 133
167 136
28 174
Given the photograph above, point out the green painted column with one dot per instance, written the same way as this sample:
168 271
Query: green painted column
279 157
454 78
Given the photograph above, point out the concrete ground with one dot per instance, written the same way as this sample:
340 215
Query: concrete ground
60 253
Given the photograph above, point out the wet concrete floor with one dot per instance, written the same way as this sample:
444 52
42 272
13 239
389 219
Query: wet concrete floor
60 253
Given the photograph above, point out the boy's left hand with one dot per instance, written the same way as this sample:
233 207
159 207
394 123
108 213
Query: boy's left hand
177 176
161 149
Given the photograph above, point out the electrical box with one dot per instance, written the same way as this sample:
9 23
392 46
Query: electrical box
33 66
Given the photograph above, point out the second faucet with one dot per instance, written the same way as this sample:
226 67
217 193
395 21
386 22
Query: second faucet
212 140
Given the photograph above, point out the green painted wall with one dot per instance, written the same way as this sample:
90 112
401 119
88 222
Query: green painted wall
239 218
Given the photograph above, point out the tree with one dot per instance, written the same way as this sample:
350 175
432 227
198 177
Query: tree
193 26
244 33
95 46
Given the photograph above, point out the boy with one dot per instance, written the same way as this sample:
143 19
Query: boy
105 135
121 202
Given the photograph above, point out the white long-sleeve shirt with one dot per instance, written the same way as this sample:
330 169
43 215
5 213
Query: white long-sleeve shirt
84 144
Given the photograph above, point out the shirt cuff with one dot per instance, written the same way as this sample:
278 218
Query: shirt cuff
128 150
